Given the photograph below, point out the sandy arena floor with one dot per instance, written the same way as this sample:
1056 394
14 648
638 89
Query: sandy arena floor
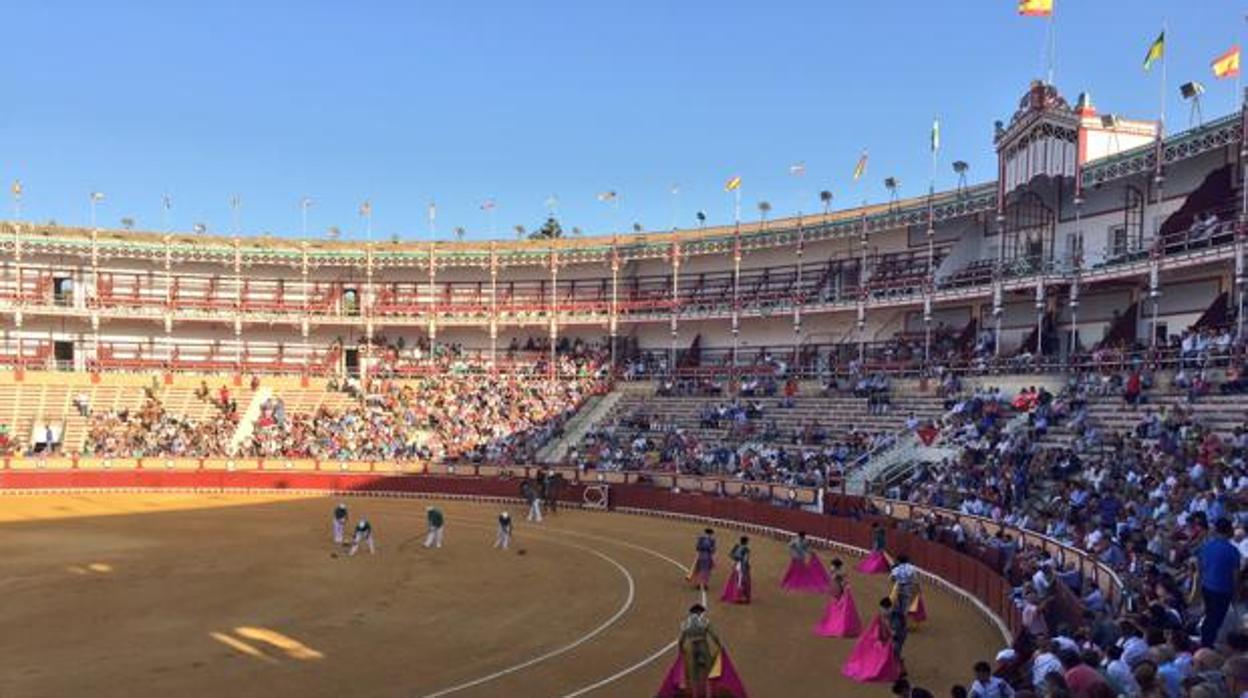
180 595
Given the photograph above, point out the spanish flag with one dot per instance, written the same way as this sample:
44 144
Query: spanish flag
861 168
733 184
1227 65
1155 52
1035 8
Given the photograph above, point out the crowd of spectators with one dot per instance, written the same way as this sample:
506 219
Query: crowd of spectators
451 415
1159 503
447 417
151 431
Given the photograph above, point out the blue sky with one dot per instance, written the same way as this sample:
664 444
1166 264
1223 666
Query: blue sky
456 102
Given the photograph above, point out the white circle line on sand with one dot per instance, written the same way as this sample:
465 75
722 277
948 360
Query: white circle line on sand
645 661
628 603
421 495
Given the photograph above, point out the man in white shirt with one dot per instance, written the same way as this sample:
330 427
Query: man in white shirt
988 686
959 534
1119 674
1241 542
906 577
1043 664
1134 648
1041 580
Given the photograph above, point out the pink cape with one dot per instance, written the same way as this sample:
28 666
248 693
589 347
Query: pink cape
871 659
817 574
875 563
736 590
840 618
727 685
699 575
810 577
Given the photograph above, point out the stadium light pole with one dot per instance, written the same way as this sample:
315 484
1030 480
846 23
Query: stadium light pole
1077 269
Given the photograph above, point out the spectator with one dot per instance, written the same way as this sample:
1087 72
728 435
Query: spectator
986 685
1218 565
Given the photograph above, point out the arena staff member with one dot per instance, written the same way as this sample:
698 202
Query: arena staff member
531 491
437 522
503 540
363 534
340 523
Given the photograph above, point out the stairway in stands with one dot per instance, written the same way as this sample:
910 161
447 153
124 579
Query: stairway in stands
590 414
247 420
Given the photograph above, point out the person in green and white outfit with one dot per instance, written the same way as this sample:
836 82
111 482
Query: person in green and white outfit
363 534
436 523
503 539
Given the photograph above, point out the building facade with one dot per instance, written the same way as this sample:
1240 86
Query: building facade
1096 230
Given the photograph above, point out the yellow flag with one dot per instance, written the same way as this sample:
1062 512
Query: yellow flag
861 168
1155 52
17 188
733 184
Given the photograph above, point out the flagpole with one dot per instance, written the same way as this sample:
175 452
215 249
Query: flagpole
235 203
675 197
1237 98
736 214
1052 45
1164 58
931 250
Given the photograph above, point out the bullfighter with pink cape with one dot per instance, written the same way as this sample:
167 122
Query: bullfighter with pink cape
877 562
806 572
739 586
700 574
874 657
702 668
840 617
